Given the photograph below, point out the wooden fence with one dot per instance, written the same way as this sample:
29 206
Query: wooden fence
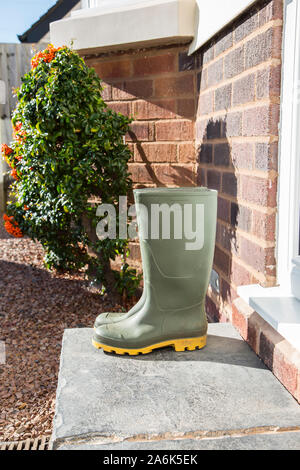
14 63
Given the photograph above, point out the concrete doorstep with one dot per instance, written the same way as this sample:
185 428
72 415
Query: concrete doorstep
221 397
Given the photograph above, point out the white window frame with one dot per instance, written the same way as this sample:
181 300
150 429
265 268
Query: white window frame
289 150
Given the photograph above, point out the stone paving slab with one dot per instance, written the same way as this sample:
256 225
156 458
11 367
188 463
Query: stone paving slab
224 387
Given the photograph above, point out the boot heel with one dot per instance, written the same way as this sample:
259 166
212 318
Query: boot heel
189 344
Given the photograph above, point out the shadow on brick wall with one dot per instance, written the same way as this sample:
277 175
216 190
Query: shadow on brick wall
157 87
216 170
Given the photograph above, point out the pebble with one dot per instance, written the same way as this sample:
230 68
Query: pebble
36 306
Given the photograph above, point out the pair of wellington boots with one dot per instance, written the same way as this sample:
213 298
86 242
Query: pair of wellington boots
177 263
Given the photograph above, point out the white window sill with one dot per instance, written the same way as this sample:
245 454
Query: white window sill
126 24
277 307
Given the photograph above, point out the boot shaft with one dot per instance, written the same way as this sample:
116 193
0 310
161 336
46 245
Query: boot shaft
177 229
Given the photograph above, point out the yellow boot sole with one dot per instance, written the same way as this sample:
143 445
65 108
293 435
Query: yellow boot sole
189 344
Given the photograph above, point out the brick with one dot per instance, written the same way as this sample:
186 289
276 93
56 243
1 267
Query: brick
144 110
114 69
223 43
271 266
241 217
201 130
140 131
283 367
201 177
169 104
272 11
215 73
268 82
175 175
106 92
186 153
140 173
174 86
205 55
244 308
274 118
233 124
186 108
131 148
242 155
119 94
258 191
201 80
224 235
213 179
260 48
223 97
261 121
230 184
255 325
244 90
247 27
227 291
264 225
205 153
155 152
234 63
240 322
266 156
267 342
121 107
174 130
215 129
223 209
186 62
256 121
154 65
222 154
255 255
206 103
222 261
241 315
277 42
135 252
235 244
139 88
240 276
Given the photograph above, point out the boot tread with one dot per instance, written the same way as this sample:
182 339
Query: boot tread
180 345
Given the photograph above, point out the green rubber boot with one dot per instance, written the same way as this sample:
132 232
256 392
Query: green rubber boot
176 275
114 317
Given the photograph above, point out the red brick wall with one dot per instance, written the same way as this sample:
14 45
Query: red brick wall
158 88
211 119
237 144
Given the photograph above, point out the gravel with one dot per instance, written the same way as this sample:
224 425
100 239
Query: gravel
35 307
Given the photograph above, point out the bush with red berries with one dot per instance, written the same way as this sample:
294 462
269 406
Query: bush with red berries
68 147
